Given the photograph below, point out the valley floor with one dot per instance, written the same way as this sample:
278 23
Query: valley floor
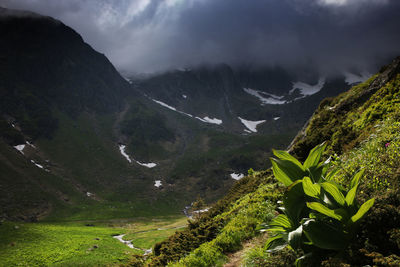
82 243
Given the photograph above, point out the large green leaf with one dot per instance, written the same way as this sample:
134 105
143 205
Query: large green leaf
337 214
314 156
279 174
315 172
334 191
332 174
286 171
325 235
356 178
311 189
284 155
276 243
282 221
351 195
294 201
362 210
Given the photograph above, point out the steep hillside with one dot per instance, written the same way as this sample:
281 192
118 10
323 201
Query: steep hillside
77 141
59 100
361 128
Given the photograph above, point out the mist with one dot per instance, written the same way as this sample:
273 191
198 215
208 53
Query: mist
145 36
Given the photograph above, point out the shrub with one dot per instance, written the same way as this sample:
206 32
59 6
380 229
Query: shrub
318 214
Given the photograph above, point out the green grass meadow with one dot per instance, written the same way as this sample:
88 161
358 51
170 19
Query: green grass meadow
83 243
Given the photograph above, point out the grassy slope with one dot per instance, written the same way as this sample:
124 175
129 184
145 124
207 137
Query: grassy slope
346 122
87 152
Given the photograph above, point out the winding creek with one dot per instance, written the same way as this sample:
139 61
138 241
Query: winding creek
129 244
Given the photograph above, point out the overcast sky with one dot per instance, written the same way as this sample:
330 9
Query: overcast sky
154 35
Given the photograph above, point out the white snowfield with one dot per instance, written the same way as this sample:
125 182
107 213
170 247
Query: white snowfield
351 78
237 176
20 148
205 119
164 105
148 165
37 165
307 89
209 120
122 149
276 118
251 125
29 144
265 98
157 183
271 99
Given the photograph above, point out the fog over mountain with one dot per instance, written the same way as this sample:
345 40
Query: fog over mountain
155 35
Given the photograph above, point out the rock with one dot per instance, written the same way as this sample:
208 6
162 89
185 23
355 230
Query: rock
16 227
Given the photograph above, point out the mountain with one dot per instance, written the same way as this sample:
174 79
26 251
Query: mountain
360 129
79 141
59 99
238 99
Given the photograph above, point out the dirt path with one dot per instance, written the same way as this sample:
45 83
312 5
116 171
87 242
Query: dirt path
236 258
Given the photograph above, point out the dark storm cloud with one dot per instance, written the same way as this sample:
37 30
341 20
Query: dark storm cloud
152 35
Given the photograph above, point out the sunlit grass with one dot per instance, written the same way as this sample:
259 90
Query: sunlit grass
80 243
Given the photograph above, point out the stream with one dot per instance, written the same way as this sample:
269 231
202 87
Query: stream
129 244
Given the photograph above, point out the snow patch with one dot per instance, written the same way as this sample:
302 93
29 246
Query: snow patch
89 194
148 165
307 89
20 148
157 183
265 98
351 78
251 125
171 108
164 105
37 165
276 118
122 150
29 144
184 96
237 176
209 120
205 119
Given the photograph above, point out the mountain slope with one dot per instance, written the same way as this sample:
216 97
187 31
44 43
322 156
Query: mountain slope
87 144
275 99
79 142
59 100
361 126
